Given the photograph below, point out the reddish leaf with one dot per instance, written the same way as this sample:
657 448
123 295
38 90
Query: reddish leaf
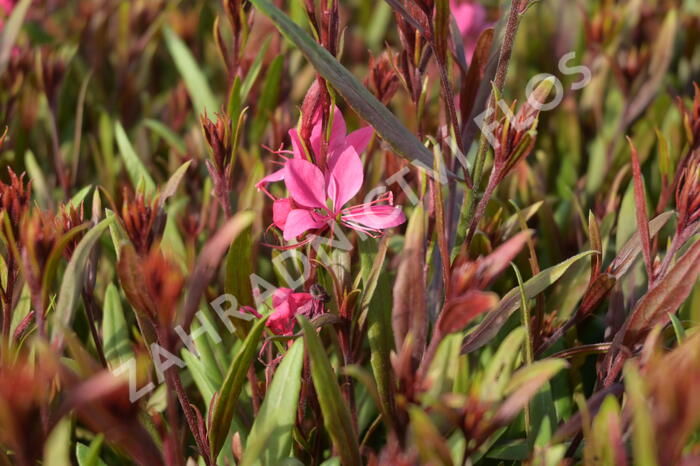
666 297
640 203
462 310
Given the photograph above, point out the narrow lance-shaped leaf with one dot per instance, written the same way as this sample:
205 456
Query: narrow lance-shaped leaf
209 260
270 439
666 297
643 437
627 254
336 415
640 203
195 81
173 182
115 332
493 322
73 281
409 315
134 166
231 388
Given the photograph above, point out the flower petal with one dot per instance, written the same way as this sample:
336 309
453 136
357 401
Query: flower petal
299 221
338 131
297 146
345 176
281 295
377 217
271 178
305 183
360 139
280 211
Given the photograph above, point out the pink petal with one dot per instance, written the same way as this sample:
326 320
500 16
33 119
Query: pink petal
338 131
281 295
281 321
345 176
360 139
299 221
271 178
305 183
297 146
377 217
280 211
470 17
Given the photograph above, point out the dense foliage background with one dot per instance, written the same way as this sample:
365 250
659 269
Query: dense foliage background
349 232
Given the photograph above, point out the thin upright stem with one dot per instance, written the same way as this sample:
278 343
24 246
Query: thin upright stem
511 30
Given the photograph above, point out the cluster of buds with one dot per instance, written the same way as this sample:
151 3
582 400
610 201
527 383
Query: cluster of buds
143 221
14 201
70 217
328 28
218 137
512 135
40 231
688 192
382 79
413 59
238 20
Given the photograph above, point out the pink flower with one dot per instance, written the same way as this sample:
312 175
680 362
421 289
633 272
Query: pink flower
317 199
287 304
338 140
470 16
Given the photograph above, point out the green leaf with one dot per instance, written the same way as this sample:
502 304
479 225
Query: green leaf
270 439
239 268
336 415
379 331
500 367
167 134
39 184
90 456
80 196
199 375
643 436
57 447
231 388
431 444
356 95
196 83
72 282
493 322
253 72
269 96
174 181
677 327
115 333
605 440
134 166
